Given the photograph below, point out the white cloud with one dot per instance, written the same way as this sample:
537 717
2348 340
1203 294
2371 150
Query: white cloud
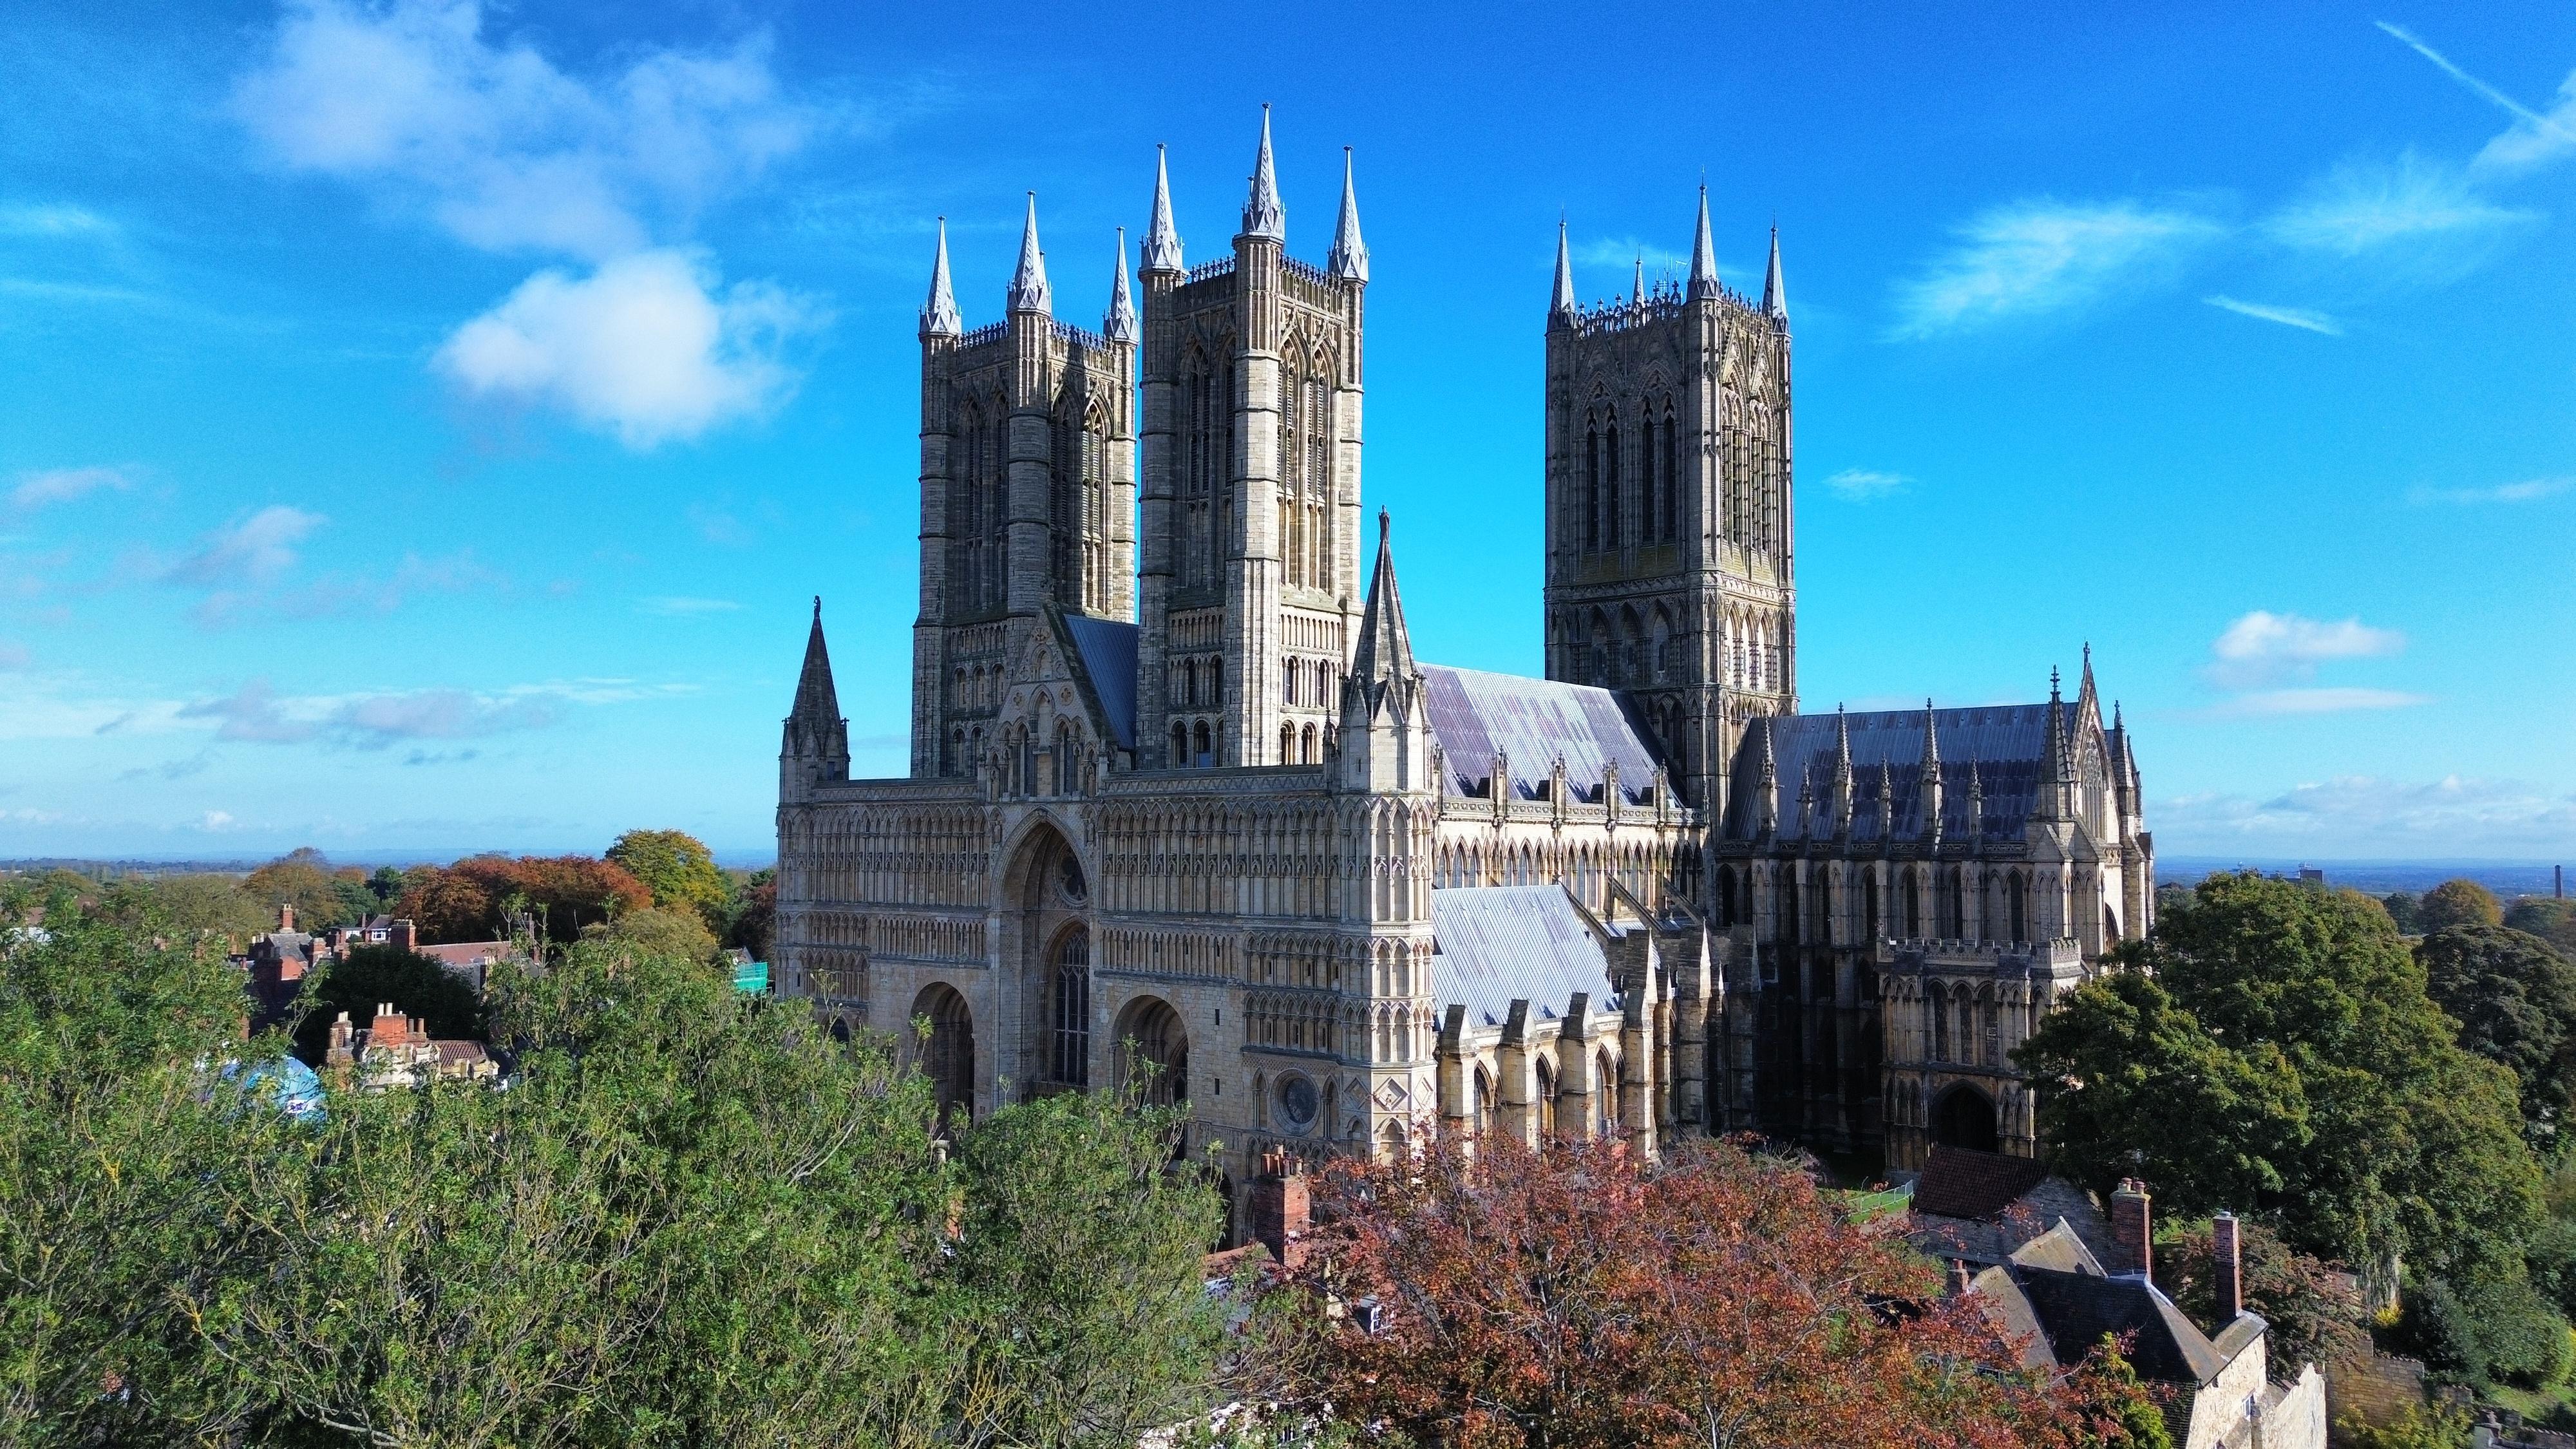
2316 700
2034 257
2286 316
216 820
257 714
2265 648
503 149
2529 490
54 221
2364 206
254 713
2363 815
642 347
676 605
1624 252
2535 138
1860 485
257 549
62 485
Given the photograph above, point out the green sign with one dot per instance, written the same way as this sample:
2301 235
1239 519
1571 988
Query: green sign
751 976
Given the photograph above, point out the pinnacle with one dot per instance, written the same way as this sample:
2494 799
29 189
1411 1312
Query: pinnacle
1119 324
1703 273
1561 303
1349 257
1162 239
939 310
1263 216
1029 292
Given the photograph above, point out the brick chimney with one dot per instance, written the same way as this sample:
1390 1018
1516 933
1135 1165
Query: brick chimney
399 935
1960 1278
2229 1274
286 915
1279 1207
2130 1235
392 1028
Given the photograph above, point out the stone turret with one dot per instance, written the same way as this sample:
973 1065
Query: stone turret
1349 256
1385 726
814 748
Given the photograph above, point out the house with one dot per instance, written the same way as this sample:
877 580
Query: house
1977 1207
277 962
398 1052
2056 1298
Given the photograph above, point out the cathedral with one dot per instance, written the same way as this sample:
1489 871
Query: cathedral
1186 815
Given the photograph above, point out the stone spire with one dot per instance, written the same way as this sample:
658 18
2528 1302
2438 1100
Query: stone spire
2052 803
1766 789
1930 789
1349 256
1976 803
1263 216
1162 239
1637 290
1886 801
815 698
1846 782
1703 273
1385 652
1775 293
1119 323
815 743
1561 305
939 312
1029 285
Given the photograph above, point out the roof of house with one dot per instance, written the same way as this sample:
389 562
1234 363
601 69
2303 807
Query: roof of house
1493 945
2053 1295
1533 723
2005 745
1960 1183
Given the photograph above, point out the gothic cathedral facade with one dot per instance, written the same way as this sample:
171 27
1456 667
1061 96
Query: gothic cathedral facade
1186 816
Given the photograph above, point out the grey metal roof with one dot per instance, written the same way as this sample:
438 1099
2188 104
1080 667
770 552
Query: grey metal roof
1533 721
1108 651
1493 945
2006 744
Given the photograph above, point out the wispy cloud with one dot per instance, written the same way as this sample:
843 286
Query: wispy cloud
2286 316
680 605
502 148
256 713
1610 252
2032 258
2530 490
2321 699
55 221
2361 814
2263 648
1860 485
2535 137
647 347
2369 206
256 549
62 485
253 570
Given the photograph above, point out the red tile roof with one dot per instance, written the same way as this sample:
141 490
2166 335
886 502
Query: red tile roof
1960 1183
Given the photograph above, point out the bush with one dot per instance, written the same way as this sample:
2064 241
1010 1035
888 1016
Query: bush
2490 1331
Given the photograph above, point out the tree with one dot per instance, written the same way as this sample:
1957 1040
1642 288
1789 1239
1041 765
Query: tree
659 932
121 1147
386 885
2405 909
2550 919
755 926
461 902
301 878
2116 1403
443 1003
2459 902
571 892
2421 1426
2409 1145
2314 1318
2515 998
1583 1295
204 902
679 870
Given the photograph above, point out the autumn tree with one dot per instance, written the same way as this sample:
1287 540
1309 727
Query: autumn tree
303 879
2460 902
1585 1295
2314 1317
570 893
679 870
755 926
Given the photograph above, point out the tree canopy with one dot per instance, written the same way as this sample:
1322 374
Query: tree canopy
2458 903
2514 996
2328 1091
442 1002
679 871
474 899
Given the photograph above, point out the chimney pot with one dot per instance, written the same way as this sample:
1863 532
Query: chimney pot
2228 1252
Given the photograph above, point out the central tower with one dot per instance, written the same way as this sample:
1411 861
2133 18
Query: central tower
1669 546
1248 587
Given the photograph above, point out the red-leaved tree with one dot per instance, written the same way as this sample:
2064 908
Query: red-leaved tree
1585 1296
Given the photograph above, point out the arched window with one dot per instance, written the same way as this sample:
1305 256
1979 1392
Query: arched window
1203 752
1591 485
1545 1106
1287 744
1958 922
1069 1011
2015 908
1725 895
1869 904
1189 681
1937 1006
1180 747
1913 907
1307 739
1605 1094
1610 524
1480 1107
1671 520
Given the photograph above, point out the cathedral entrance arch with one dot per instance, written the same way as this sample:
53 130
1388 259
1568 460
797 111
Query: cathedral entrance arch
1045 942
948 1049
1963 1116
1154 1051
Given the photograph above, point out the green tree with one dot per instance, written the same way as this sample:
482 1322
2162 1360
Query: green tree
2459 902
2428 1426
659 932
121 1148
678 870
2515 998
205 902
2550 919
443 1002
301 878
2408 1144
2406 909
2114 1400
386 885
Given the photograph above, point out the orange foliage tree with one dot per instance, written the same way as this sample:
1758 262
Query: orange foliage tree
470 900
1507 1298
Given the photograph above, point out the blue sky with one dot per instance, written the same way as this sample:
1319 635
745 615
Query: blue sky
425 425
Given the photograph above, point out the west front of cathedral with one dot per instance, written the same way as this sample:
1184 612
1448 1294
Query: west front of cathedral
1186 815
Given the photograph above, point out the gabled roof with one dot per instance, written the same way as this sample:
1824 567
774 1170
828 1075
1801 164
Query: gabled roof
1493 945
2053 1294
1106 649
2006 747
1961 1183
1533 722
